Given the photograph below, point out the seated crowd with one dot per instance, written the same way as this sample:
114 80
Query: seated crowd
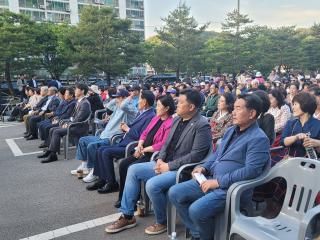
230 126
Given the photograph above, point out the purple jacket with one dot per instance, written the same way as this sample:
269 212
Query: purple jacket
161 135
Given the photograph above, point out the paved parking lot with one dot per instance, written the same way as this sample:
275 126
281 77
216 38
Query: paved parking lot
39 198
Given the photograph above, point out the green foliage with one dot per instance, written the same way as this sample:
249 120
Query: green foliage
179 42
105 43
18 48
56 48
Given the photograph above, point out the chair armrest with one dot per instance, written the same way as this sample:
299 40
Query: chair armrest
154 156
274 149
310 214
130 147
99 111
184 167
239 188
116 137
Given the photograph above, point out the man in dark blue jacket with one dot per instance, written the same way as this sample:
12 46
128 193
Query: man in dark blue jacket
242 155
103 167
64 111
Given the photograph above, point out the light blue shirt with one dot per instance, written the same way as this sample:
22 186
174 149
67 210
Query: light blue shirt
126 112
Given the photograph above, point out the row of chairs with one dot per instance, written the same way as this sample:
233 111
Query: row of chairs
297 212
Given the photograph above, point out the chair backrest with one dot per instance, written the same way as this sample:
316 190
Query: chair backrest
303 184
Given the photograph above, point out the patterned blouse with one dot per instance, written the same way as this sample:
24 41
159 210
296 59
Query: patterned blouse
219 124
281 117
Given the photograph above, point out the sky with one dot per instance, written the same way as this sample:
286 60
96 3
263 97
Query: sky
273 13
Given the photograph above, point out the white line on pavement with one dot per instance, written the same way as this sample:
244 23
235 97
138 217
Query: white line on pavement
15 148
74 228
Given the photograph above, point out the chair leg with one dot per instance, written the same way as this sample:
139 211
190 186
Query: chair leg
171 219
66 143
145 198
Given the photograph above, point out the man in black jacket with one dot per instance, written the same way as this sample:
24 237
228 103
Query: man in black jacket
81 113
94 99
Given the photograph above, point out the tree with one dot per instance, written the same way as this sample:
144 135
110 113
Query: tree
181 36
235 27
158 54
105 43
18 43
56 48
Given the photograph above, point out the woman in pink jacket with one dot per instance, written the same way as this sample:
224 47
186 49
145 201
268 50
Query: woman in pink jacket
151 140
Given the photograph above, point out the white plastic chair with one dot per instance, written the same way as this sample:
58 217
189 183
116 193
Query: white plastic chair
303 184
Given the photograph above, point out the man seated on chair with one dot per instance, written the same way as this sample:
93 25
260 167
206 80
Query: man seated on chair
189 141
64 111
104 154
81 113
50 106
124 111
243 154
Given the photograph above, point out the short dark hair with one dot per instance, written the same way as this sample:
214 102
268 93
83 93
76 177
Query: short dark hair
148 96
167 101
70 90
62 90
229 101
308 103
37 90
193 96
294 84
277 94
316 91
112 91
265 100
229 86
253 102
83 87
30 89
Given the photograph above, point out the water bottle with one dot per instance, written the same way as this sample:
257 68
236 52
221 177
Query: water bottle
311 152
173 236
140 209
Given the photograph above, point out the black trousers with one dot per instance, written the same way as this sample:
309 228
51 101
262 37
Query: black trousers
124 166
33 121
55 135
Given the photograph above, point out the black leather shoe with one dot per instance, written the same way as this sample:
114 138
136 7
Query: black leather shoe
42 145
52 157
11 119
44 155
27 135
31 138
96 185
117 204
109 187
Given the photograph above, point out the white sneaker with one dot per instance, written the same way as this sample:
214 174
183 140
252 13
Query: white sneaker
90 178
84 170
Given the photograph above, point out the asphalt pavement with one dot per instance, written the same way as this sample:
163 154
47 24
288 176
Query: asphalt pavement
39 198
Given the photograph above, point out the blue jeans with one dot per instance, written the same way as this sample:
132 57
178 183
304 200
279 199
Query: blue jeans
156 187
87 149
196 209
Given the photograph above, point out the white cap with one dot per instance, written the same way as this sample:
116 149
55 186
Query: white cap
258 74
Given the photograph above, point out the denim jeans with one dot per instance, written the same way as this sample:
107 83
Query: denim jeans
87 148
196 209
156 187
